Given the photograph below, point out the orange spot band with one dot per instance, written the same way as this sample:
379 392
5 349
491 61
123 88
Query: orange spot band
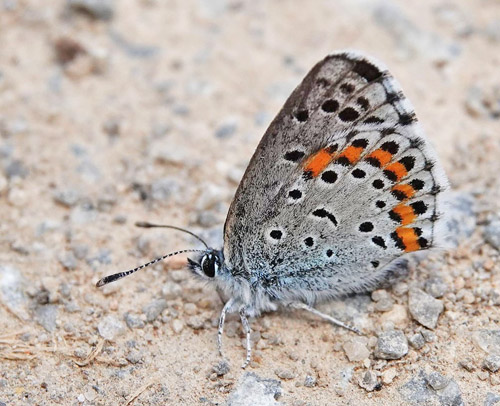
398 169
384 157
407 190
406 214
409 238
352 154
318 162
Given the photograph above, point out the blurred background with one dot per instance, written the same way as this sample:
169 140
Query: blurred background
113 112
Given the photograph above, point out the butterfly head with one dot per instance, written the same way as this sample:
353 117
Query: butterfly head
208 265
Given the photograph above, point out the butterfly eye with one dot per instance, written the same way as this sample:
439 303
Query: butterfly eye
209 265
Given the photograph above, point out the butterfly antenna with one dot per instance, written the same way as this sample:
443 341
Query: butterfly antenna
119 275
145 224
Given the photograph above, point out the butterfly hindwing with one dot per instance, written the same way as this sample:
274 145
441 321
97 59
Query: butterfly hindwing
341 185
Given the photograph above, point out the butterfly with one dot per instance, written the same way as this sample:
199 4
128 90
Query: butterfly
342 187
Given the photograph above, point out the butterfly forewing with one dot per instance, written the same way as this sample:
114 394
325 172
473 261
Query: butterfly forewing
342 184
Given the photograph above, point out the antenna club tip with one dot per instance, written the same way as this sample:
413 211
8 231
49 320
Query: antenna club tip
100 283
142 224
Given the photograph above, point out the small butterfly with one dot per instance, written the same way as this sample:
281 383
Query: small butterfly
342 186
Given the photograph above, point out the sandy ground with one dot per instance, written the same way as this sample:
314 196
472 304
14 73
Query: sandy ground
151 111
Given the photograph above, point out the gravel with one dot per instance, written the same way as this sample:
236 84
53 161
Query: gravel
369 382
492 232
416 341
253 390
110 327
154 309
391 345
424 308
492 362
356 349
46 316
419 391
487 340
100 9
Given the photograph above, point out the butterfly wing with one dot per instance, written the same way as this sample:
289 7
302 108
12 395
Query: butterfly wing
342 184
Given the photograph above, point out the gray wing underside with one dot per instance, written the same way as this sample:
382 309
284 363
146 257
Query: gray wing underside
337 231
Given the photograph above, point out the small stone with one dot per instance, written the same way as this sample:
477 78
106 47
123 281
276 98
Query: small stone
16 169
284 374
154 309
171 290
460 217
424 308
81 398
253 390
221 368
492 232
100 9
398 316
177 326
133 321
134 356
46 316
487 340
356 349
68 260
417 341
491 399
492 362
388 375
110 327
112 127
227 129
467 364
437 381
391 345
369 381
428 335
190 309
195 322
310 381
163 189
436 287
67 197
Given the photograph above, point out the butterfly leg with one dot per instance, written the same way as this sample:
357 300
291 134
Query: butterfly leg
248 331
222 319
303 306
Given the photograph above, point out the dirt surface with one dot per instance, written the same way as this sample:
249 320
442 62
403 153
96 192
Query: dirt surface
151 110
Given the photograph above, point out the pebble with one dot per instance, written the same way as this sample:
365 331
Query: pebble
16 169
12 291
171 291
190 309
418 391
368 381
284 373
492 362
221 368
491 399
177 326
398 316
388 375
391 345
227 129
66 49
133 321
195 322
437 381
253 390
487 340
163 189
132 49
135 356
310 381
356 349
460 217
154 309
68 260
492 232
424 308
46 316
436 287
417 341
110 327
467 364
100 9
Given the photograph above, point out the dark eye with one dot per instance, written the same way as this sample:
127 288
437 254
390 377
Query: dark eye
209 265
